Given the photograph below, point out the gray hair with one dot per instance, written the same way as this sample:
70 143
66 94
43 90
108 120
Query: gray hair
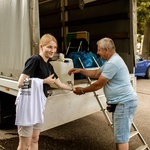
106 43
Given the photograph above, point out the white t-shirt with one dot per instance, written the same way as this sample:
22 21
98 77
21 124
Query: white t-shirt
30 103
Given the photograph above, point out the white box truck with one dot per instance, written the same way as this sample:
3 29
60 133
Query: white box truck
24 21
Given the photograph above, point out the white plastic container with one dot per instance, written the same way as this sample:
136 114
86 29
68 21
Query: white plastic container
61 67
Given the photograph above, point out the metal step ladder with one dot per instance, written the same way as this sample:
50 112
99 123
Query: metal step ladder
133 133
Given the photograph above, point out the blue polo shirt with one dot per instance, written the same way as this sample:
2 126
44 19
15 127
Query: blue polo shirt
118 88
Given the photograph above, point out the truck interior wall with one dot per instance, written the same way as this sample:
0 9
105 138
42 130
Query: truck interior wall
107 18
50 20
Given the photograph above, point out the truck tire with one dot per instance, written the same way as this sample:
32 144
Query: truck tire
148 73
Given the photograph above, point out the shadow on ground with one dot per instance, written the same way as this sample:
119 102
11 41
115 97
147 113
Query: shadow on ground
48 143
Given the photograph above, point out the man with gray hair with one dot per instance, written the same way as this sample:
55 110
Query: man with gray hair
114 78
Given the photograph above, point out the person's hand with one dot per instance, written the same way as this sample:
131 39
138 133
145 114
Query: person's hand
49 80
74 70
78 91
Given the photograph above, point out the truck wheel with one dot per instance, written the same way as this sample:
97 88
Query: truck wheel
148 73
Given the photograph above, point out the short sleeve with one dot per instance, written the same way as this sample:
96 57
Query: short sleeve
31 65
109 70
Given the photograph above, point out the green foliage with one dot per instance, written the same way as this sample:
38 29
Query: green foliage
143 14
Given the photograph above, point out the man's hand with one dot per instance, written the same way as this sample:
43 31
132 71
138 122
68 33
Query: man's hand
74 70
78 91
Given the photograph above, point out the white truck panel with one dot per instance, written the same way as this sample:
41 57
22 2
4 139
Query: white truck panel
64 106
8 86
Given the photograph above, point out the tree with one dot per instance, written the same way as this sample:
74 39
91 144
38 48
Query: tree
143 24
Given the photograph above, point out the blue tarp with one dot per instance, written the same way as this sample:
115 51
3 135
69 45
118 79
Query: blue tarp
87 60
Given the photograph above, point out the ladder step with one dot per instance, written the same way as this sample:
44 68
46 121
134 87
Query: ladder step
133 133
100 96
142 147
